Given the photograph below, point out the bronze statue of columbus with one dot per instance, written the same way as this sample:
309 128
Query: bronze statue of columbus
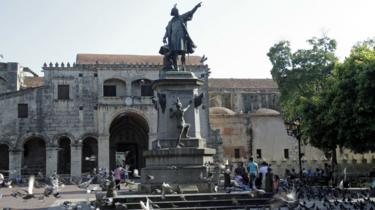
177 40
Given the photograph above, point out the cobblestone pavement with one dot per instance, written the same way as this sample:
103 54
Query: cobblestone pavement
68 193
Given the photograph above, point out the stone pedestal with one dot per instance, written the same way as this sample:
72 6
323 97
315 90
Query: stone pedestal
167 163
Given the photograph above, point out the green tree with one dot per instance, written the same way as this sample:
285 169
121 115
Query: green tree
336 101
344 113
302 74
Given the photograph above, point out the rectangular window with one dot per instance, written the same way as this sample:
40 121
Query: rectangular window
109 90
259 153
286 153
236 153
146 90
63 92
23 110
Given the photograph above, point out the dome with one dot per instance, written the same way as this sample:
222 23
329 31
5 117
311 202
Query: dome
264 111
221 110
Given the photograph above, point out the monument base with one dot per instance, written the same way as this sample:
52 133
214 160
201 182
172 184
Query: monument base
177 167
172 143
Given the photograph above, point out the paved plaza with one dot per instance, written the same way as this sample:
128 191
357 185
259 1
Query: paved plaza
68 193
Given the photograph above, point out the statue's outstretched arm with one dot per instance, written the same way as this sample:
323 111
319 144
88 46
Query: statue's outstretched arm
186 108
189 15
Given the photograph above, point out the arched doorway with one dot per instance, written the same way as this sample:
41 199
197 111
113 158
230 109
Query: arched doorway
128 133
4 163
89 154
63 164
34 156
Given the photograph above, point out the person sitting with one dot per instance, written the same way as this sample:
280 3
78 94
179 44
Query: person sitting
239 181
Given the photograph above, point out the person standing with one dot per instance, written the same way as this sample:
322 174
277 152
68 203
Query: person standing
117 174
252 168
263 170
269 181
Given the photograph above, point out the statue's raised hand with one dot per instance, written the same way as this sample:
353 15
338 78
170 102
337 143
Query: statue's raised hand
199 5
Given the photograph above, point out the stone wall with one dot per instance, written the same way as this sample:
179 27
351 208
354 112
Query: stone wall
11 77
243 95
86 113
235 134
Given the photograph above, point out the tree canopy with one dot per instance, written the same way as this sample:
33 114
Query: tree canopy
336 101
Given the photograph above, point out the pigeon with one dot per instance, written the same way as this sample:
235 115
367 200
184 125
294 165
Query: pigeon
235 201
30 188
158 145
129 182
341 185
119 205
8 184
207 178
282 199
85 185
136 173
165 187
183 197
145 206
172 167
174 205
256 192
203 59
156 191
150 177
216 188
221 166
154 205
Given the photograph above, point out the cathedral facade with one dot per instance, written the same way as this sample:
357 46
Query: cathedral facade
82 116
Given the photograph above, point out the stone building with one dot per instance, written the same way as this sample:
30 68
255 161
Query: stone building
245 114
82 116
86 115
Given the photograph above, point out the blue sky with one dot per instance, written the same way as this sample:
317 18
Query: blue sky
234 35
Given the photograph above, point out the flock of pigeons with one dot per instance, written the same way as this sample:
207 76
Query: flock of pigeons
302 197
298 196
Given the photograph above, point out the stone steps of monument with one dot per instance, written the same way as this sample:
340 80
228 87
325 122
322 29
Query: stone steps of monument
236 200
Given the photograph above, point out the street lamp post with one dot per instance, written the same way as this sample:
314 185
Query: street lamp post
293 129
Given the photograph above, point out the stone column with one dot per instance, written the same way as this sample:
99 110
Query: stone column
76 160
128 88
151 138
103 152
51 159
15 162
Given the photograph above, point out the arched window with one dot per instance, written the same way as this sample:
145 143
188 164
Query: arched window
114 88
142 87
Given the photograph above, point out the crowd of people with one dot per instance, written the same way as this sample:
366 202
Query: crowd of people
253 176
260 176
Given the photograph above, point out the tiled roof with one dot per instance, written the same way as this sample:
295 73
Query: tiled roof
110 59
242 83
29 82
